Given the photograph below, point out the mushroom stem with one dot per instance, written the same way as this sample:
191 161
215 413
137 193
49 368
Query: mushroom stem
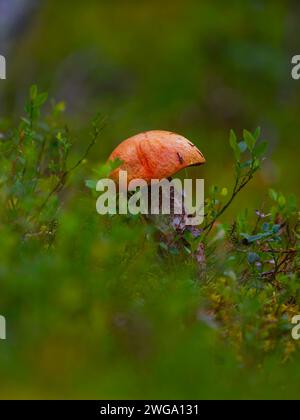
173 227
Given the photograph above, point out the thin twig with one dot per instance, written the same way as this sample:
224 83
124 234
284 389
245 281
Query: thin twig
61 182
235 191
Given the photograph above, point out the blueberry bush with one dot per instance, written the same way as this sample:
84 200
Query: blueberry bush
111 307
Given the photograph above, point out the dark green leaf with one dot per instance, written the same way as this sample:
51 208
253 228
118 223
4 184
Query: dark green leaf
260 149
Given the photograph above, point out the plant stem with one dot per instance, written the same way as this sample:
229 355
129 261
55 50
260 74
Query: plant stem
237 188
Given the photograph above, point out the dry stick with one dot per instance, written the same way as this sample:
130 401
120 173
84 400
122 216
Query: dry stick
275 258
285 260
271 273
280 251
278 269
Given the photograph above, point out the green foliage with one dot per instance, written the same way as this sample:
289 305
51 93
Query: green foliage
33 163
34 170
249 157
110 309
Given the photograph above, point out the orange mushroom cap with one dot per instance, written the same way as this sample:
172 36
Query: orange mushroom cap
155 154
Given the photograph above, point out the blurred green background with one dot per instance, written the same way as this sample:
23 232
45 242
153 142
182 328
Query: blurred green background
199 68
79 325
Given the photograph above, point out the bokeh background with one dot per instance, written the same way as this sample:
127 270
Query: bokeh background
198 68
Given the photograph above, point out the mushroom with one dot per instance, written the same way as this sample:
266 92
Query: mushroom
159 155
155 154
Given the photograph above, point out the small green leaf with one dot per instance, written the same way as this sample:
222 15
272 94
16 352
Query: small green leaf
246 164
224 192
250 239
273 194
292 202
59 136
59 107
163 246
245 236
232 139
114 164
257 133
234 145
91 183
249 140
41 99
256 164
188 236
276 228
187 250
174 251
33 92
260 149
281 201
